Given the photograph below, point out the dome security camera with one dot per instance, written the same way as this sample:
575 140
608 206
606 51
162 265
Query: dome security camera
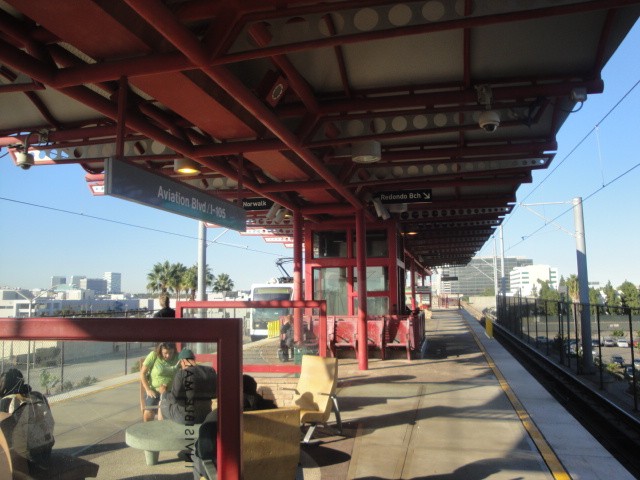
24 160
489 121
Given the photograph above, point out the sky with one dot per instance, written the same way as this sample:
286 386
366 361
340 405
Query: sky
53 225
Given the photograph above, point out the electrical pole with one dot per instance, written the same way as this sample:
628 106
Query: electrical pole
583 285
583 278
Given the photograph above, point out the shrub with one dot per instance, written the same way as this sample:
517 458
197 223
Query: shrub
48 381
86 381
65 387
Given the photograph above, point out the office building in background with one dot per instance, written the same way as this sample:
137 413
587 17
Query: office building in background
114 282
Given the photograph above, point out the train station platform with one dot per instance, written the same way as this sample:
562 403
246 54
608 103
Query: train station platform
467 411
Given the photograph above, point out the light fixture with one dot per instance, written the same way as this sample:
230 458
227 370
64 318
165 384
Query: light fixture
280 214
272 211
186 166
381 210
23 158
489 120
366 152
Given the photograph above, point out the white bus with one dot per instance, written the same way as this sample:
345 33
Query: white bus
260 317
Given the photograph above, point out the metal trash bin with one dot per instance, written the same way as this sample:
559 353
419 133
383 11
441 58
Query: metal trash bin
304 349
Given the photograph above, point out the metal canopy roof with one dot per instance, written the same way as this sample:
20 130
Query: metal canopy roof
272 98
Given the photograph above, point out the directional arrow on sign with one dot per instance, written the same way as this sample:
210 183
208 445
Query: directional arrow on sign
405 196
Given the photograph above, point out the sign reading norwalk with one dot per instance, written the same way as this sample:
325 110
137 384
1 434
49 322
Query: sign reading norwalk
257 203
129 182
405 196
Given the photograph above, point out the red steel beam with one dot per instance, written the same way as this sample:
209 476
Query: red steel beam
162 19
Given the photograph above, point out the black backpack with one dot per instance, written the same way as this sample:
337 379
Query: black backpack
29 430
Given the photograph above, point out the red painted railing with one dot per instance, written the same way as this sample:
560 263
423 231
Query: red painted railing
321 305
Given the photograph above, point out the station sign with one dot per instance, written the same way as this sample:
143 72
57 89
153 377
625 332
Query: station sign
259 203
421 195
448 278
129 182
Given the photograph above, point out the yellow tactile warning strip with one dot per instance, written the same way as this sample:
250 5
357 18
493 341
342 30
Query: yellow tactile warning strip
548 455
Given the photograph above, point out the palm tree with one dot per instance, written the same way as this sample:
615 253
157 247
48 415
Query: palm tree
190 280
176 279
223 283
159 278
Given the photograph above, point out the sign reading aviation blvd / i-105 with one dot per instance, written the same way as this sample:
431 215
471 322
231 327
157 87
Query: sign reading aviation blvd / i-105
405 196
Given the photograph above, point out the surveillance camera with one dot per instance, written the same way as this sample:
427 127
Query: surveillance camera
489 121
24 160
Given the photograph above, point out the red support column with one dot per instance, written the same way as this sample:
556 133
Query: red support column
230 407
361 265
297 274
413 284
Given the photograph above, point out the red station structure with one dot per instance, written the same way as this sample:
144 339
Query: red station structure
380 139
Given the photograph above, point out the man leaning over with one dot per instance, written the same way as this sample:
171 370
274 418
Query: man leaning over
194 386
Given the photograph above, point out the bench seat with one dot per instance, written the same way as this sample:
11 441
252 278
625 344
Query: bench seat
160 436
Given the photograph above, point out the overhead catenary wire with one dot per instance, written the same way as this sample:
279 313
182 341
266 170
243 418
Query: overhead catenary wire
575 148
566 157
584 199
151 229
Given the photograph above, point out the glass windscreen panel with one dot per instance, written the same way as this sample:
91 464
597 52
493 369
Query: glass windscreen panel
330 244
375 305
331 284
377 245
377 279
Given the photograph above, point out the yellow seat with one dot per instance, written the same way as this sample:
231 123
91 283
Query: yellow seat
316 392
270 445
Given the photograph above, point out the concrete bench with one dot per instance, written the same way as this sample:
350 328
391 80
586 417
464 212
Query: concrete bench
270 443
160 436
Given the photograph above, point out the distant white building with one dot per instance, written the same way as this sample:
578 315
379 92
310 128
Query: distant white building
114 282
523 280
74 280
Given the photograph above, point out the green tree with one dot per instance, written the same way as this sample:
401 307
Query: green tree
222 283
573 288
630 295
159 278
611 296
594 296
489 292
190 280
549 296
594 299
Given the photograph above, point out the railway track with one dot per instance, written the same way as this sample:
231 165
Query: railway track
616 429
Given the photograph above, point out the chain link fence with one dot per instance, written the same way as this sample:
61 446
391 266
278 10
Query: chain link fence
555 330
55 367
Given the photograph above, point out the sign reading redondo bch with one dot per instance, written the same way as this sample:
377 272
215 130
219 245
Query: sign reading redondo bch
129 182
405 196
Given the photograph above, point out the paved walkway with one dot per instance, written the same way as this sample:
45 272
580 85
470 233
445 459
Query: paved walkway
445 417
